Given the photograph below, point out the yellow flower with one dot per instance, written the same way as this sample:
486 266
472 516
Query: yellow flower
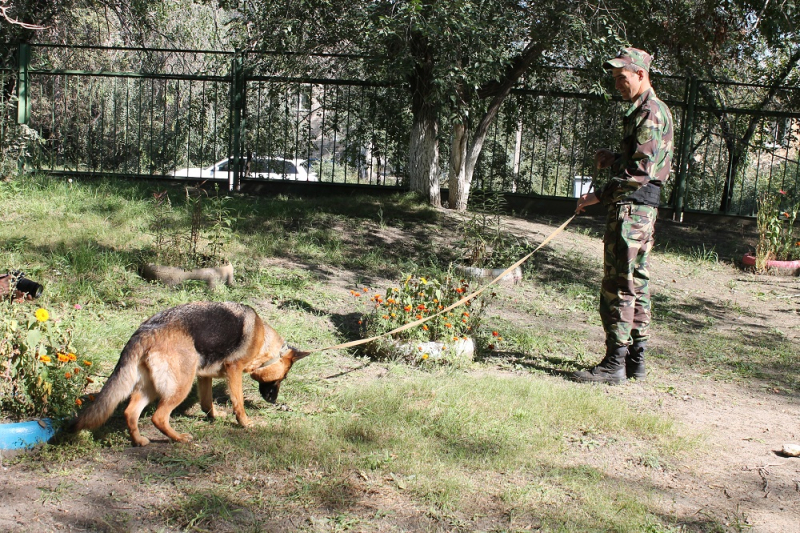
87 363
42 315
424 281
424 356
44 358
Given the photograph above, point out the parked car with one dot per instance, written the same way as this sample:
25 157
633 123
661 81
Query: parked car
271 168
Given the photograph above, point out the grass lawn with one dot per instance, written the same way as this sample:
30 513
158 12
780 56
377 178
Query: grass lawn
358 444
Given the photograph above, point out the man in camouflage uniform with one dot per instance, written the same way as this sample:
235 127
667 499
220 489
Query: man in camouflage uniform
632 198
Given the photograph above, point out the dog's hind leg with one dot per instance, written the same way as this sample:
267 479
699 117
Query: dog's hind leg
206 397
165 407
141 397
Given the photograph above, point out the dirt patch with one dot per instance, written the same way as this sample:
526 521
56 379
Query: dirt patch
736 478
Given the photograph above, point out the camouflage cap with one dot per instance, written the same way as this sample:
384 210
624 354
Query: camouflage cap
629 56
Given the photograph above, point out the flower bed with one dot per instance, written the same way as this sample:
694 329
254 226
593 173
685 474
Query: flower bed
40 374
445 336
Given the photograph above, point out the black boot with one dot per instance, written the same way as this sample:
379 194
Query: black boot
634 362
611 369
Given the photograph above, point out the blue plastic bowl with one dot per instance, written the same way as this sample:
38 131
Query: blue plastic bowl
25 434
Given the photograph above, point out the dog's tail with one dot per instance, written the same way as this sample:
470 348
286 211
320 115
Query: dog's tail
119 386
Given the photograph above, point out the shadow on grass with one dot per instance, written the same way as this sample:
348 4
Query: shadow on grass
552 365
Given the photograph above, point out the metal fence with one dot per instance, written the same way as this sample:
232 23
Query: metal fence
181 113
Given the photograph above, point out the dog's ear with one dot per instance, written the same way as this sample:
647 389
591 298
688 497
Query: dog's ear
297 355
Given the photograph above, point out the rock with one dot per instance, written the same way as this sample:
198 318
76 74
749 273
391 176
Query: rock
791 450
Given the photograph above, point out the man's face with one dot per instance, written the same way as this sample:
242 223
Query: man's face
627 83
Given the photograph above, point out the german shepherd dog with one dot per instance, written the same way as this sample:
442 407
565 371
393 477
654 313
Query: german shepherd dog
204 339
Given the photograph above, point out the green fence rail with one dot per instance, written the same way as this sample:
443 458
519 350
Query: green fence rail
235 117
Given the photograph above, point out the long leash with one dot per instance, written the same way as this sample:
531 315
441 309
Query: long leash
452 306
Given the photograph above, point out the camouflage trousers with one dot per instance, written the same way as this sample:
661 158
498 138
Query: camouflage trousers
625 291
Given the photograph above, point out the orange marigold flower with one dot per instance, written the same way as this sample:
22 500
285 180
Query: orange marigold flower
407 308
495 333
91 397
78 401
62 357
425 327
385 317
87 363
72 356
465 314
359 322
418 317
67 375
44 358
421 306
786 214
448 325
76 370
366 289
459 290
455 338
464 320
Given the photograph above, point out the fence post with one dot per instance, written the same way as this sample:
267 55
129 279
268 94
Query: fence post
238 101
687 134
23 92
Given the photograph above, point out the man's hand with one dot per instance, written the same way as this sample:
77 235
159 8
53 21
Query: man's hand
604 158
585 201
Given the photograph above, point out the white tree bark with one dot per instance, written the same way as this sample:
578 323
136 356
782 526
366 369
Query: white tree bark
423 159
463 158
458 190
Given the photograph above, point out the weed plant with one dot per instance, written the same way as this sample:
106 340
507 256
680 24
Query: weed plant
776 235
484 239
196 236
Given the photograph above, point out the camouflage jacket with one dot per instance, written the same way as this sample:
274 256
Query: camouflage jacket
645 161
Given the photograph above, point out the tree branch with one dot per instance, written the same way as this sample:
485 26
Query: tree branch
5 6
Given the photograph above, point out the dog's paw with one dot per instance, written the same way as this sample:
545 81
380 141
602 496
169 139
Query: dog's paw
244 422
184 437
141 441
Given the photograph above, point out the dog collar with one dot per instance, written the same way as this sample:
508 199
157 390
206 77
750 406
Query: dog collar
284 349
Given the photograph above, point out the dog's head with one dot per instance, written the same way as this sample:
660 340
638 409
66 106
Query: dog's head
270 375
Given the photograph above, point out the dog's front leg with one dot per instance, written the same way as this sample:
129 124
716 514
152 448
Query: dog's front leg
204 390
237 396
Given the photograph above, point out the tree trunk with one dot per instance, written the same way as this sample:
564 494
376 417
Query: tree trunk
462 167
457 180
423 158
423 146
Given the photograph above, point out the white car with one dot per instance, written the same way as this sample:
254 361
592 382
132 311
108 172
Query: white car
270 168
